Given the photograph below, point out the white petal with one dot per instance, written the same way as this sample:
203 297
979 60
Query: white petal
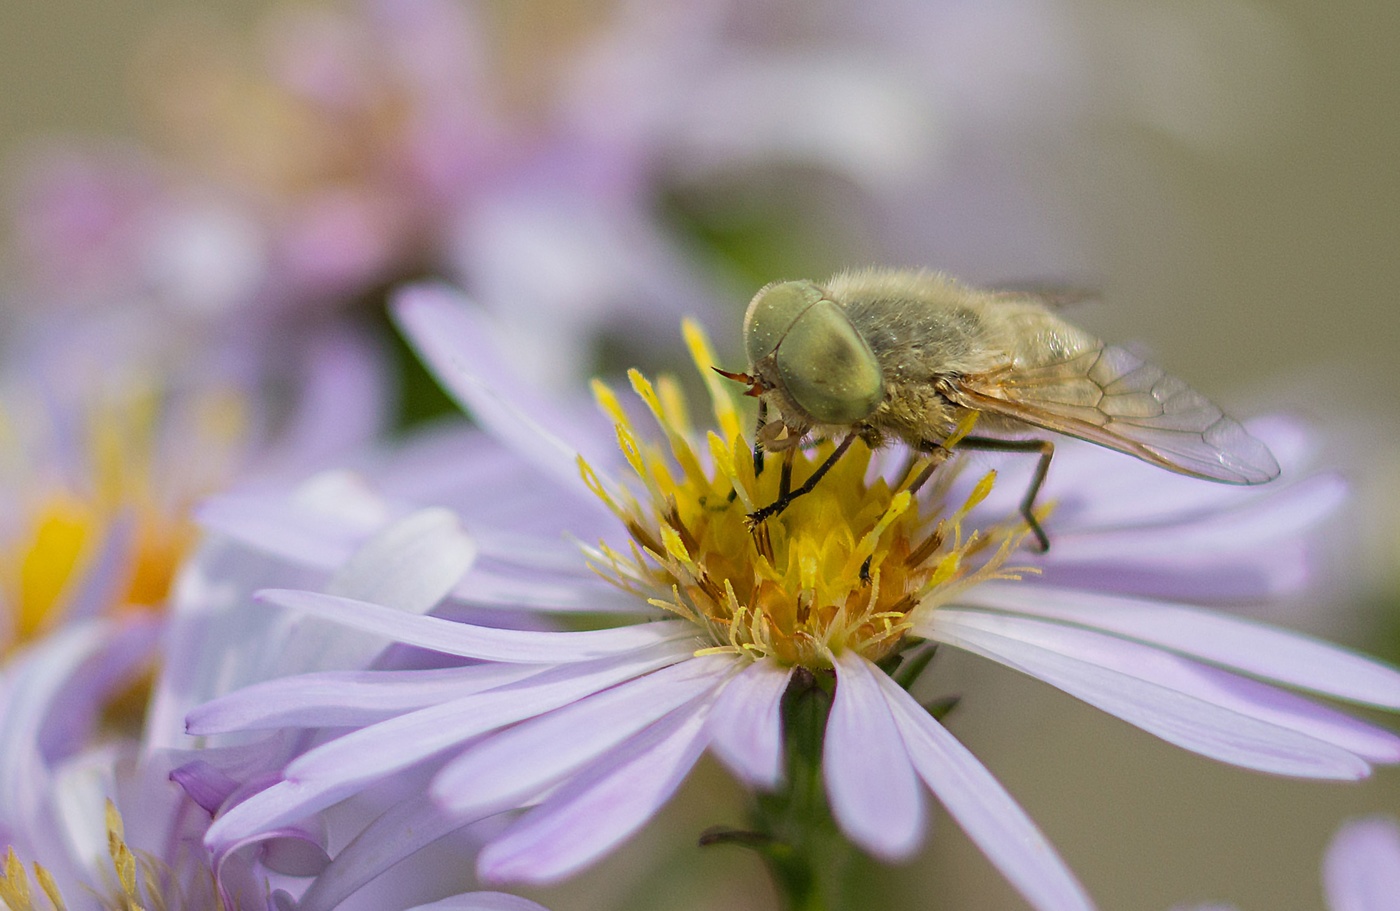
989 815
1244 645
874 794
746 725
515 646
408 566
1190 705
517 764
599 807
275 526
411 565
1361 871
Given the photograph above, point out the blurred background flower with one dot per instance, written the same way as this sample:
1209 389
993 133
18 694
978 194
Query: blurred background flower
249 183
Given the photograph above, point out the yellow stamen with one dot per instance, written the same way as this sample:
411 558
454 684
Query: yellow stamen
842 568
142 882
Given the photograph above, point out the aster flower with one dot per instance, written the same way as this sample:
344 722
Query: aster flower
593 730
106 444
115 819
1361 871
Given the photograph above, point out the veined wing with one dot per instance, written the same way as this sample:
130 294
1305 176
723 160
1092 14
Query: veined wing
1112 397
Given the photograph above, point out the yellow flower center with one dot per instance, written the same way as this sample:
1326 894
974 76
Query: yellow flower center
844 567
60 531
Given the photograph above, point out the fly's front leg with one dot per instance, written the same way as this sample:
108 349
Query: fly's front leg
757 441
785 497
1046 449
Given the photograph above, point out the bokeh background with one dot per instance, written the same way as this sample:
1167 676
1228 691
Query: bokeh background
1225 171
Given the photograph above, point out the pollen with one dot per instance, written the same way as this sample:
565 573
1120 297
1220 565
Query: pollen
846 567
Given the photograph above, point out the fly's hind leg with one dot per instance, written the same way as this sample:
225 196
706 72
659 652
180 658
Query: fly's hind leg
1046 449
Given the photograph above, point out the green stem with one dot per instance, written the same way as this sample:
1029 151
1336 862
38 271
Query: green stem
792 828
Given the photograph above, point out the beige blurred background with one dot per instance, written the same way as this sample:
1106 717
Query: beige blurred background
1272 275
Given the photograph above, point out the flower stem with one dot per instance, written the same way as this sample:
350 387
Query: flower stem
792 828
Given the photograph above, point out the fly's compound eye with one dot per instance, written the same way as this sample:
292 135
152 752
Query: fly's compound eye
827 368
771 314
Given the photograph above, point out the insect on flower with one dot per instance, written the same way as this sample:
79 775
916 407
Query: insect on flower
880 354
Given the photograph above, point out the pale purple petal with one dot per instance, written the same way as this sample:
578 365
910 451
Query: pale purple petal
746 725
454 340
874 794
392 836
486 588
330 772
600 806
1244 645
515 646
482 901
989 815
346 698
1361 871
517 764
1100 490
1193 706
1259 521
1258 575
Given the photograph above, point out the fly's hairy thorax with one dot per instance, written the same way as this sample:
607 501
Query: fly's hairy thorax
925 330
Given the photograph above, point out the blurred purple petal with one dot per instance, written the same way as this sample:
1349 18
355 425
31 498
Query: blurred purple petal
456 342
482 901
1361 871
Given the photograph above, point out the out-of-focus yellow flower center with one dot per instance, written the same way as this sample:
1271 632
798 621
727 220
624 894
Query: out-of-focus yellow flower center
136 882
52 547
842 568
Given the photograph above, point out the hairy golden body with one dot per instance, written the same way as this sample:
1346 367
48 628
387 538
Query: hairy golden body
907 354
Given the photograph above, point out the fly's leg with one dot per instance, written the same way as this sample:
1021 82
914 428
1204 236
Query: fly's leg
1046 449
937 453
785 497
757 446
785 479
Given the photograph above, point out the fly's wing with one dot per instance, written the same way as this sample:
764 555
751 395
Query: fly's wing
1111 397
